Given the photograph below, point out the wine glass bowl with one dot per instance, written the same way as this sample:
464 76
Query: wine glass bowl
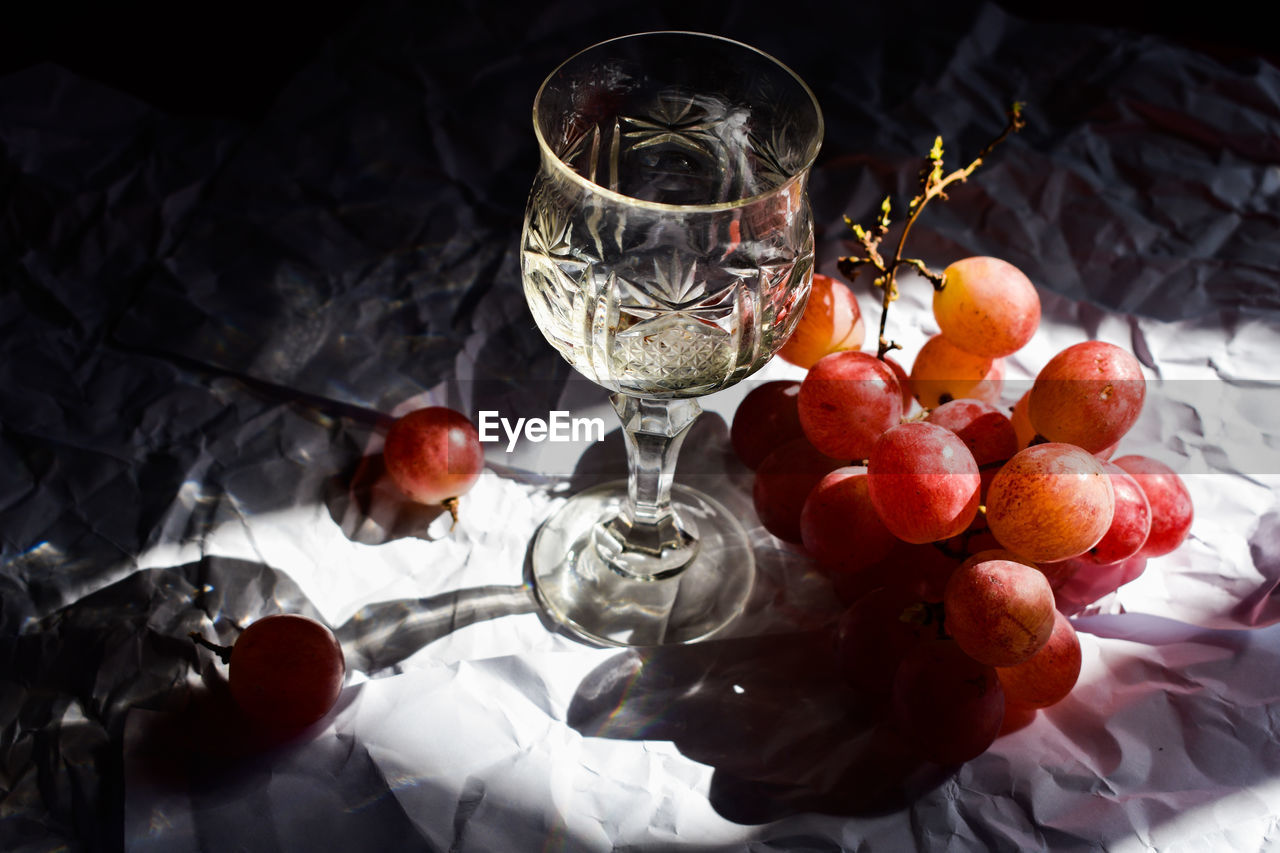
667 253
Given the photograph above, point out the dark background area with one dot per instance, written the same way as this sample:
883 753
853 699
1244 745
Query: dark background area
232 58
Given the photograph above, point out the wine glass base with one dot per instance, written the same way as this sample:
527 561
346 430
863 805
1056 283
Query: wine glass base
594 601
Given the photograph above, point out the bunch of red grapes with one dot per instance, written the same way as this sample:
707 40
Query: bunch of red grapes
958 534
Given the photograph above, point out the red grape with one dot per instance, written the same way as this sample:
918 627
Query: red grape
999 611
923 482
986 306
782 484
1171 508
433 454
1087 582
831 322
1088 395
1050 502
987 433
839 526
904 382
1047 676
1130 524
948 706
765 419
942 372
876 632
846 401
286 671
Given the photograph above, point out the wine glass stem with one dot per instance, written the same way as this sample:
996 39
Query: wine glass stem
647 540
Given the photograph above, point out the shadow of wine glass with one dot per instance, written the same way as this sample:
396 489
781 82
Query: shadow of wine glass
771 714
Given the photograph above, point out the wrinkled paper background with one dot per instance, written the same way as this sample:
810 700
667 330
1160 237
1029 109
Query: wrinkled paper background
208 321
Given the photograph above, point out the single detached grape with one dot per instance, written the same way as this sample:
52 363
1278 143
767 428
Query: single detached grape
986 306
943 372
1047 676
846 401
433 454
765 419
1088 395
832 322
948 706
1050 502
923 482
782 484
840 527
1000 611
286 671
1171 508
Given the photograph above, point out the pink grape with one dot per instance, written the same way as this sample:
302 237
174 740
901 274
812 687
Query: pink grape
1171 509
923 482
765 419
1130 524
840 527
948 706
942 372
1050 502
433 454
986 306
999 611
1046 677
1088 395
846 401
782 484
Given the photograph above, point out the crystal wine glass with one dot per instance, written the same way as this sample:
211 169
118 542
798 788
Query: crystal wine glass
667 253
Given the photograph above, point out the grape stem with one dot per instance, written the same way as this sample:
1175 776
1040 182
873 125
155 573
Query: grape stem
223 652
933 184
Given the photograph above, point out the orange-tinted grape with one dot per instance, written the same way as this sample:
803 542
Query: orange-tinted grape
1171 509
943 372
1047 676
923 482
986 306
1088 395
1020 417
433 454
1050 502
846 401
999 611
765 419
832 322
286 672
838 525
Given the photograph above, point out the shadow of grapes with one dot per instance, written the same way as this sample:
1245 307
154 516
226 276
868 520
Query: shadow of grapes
772 715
